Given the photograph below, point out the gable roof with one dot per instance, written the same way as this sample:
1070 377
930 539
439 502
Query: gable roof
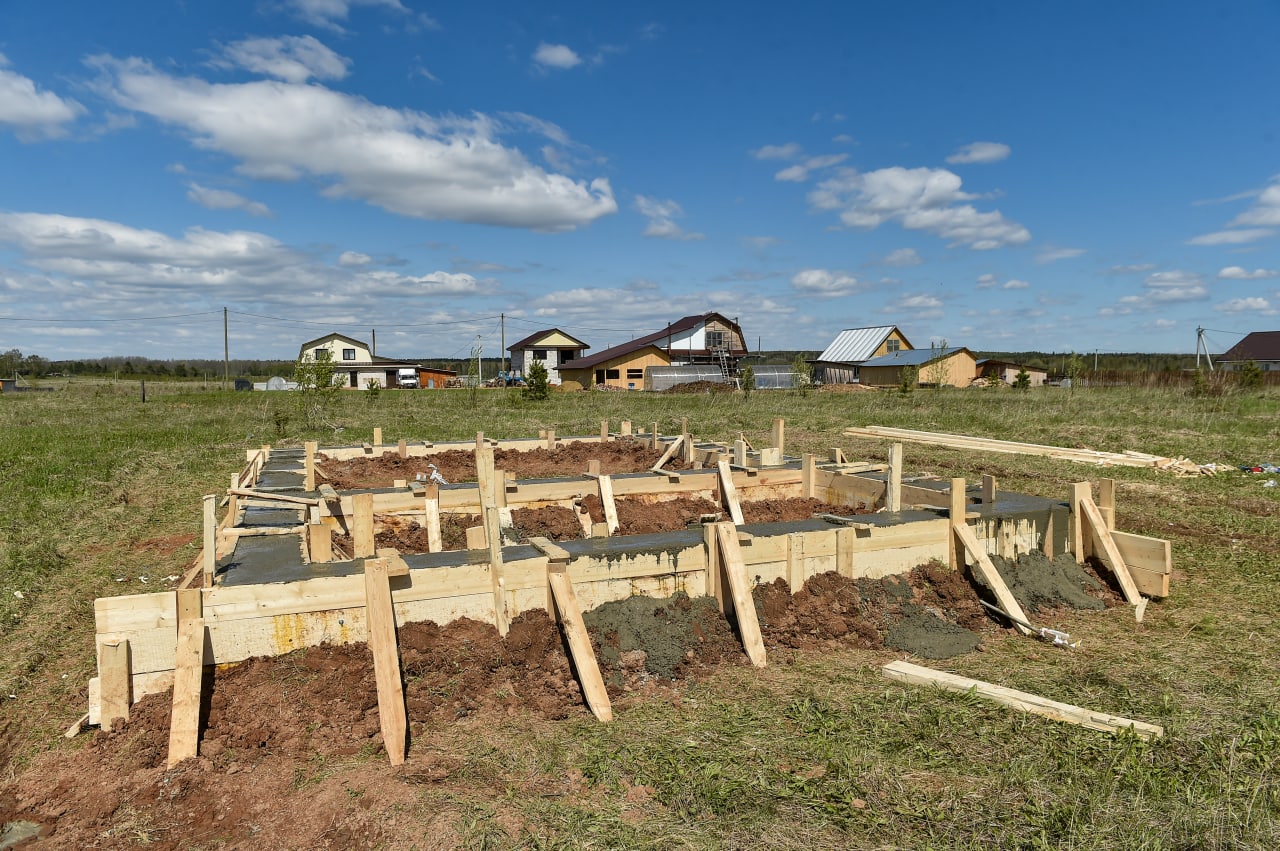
1260 345
333 336
998 362
854 345
679 326
913 357
538 335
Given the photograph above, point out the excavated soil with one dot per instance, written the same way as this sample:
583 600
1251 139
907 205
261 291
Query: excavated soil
623 455
702 387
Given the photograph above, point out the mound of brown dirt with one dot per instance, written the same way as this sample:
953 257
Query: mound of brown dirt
795 508
847 388
623 455
702 387
639 517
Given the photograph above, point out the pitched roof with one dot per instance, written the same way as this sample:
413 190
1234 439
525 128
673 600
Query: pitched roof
854 345
334 336
538 335
913 357
1260 345
677 327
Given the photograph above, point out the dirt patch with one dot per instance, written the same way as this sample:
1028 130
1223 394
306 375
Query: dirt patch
929 636
643 637
847 388
553 522
702 387
641 517
623 455
795 508
1038 583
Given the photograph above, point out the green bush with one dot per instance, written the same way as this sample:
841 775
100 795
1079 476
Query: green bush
909 381
747 380
536 385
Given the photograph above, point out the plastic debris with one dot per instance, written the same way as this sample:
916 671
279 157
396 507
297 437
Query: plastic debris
1269 483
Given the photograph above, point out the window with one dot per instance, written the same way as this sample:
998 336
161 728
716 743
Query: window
635 373
539 354
717 339
348 354
318 354
611 373
892 345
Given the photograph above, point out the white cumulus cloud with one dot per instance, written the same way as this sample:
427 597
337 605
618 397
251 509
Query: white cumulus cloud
1255 305
32 112
1239 273
1231 237
925 199
1050 254
826 283
556 56
354 258
662 216
294 59
327 13
902 257
407 162
222 199
980 152
1257 222
987 281
1015 284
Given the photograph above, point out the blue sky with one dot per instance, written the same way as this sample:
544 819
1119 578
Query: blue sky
1056 176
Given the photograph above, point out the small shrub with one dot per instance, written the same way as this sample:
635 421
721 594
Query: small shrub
747 380
371 390
909 381
804 374
1022 381
536 385
1249 376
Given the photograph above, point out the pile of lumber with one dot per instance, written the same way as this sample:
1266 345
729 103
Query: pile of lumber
1128 458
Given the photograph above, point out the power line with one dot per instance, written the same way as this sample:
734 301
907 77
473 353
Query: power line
125 319
472 321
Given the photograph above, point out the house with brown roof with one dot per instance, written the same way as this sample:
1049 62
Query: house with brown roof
551 348
354 363
1261 347
708 338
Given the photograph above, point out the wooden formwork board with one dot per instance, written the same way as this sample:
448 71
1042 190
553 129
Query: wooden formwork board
422 449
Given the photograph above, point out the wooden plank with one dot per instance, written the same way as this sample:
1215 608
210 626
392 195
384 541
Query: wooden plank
377 437
320 542
836 455
362 540
715 573
553 551
328 494
739 453
381 622
654 438
795 561
493 533
968 541
1149 561
779 434
846 543
593 467
271 496
1080 491
808 470
209 555
988 490
402 448
956 511
115 681
626 428
604 430
729 493
1020 700
477 538
188 678
744 607
233 502
606 500
666 456
431 519
579 641
551 438
893 492
1107 502
309 465
1109 552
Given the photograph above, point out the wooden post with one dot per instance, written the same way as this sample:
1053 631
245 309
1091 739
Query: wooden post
729 493
362 540
836 455
1080 491
604 430
808 475
744 607
961 533
845 537
402 448
739 453
1047 544
210 552
593 467
893 493
779 433
233 502
377 439
188 678
493 532
477 537
381 618
686 440
320 542
309 465
653 438
715 583
1107 501
431 519
988 490
579 641
955 554
626 428
551 438
115 681
606 500
795 561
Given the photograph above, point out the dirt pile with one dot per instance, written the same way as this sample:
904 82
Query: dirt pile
709 387
623 455
1038 583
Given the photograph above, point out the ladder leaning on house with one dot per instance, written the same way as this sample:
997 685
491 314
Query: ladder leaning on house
721 355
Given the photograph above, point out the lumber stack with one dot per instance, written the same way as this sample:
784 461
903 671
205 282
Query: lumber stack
1128 458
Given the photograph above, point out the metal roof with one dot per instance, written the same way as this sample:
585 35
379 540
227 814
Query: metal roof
855 345
1260 345
912 357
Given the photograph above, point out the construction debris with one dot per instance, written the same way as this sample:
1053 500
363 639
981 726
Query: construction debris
1129 458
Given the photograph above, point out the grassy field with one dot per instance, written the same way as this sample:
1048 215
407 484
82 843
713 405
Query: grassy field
100 494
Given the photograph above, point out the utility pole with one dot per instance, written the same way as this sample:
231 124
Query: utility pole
479 369
1202 346
1095 360
226 352
502 317
373 332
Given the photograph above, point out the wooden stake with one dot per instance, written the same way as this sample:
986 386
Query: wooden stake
381 619
362 539
320 542
210 552
431 519
795 561
579 641
402 448
968 541
606 500
808 475
377 438
1107 501
739 453
626 428
309 465
115 681
779 433
988 490
686 440
233 501
715 583
493 531
893 493
1020 700
593 467
845 538
551 438
744 607
1047 546
836 455
188 678
954 555
653 438
477 538
1080 491
729 493
604 430
271 496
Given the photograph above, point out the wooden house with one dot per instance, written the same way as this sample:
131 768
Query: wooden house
840 361
551 348
709 338
354 364
952 367
1007 371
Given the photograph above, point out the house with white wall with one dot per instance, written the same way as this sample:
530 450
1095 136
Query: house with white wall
550 348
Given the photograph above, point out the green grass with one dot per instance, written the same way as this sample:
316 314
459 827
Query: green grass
816 751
